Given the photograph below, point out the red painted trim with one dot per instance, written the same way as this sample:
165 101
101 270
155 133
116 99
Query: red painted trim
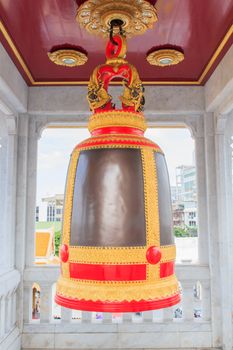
117 130
166 269
124 306
108 272
118 142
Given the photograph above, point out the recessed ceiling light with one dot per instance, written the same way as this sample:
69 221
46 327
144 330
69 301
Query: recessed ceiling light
165 61
165 57
68 57
68 60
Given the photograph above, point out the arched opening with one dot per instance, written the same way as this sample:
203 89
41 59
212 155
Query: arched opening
54 149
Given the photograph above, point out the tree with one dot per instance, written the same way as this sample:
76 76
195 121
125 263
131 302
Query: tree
57 240
187 231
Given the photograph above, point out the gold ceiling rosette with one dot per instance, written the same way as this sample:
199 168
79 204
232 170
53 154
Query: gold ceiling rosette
136 16
164 57
68 57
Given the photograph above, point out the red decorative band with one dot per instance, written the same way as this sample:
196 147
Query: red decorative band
108 272
123 306
102 142
117 130
166 269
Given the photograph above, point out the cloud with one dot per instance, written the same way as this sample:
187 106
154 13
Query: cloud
51 161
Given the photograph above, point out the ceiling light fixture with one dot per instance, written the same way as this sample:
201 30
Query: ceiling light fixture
68 57
165 57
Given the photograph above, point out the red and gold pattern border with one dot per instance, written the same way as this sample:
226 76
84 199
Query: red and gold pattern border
116 306
117 255
117 118
117 291
118 141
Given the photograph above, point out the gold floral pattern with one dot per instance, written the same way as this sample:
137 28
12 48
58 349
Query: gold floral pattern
117 118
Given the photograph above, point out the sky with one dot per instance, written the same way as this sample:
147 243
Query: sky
56 145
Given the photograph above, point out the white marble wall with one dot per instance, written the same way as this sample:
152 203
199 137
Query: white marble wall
3 191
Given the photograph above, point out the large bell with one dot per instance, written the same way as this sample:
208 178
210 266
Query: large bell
117 252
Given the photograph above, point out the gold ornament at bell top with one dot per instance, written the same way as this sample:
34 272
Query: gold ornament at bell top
137 16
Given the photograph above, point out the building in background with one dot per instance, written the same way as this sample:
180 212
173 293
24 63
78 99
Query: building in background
50 209
178 214
54 207
184 197
174 194
37 213
186 183
190 214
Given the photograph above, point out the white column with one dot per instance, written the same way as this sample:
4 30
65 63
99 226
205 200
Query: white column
187 300
212 227
212 218
168 314
107 317
21 194
224 199
27 302
66 315
148 316
8 319
206 301
45 303
2 316
3 194
11 188
127 317
203 244
13 316
86 316
31 191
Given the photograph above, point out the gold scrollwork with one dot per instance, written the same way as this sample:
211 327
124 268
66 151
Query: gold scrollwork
151 207
165 57
96 15
117 255
128 291
117 118
68 58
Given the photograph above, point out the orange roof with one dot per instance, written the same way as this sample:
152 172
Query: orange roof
42 242
45 247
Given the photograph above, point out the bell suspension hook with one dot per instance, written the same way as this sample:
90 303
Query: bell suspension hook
113 24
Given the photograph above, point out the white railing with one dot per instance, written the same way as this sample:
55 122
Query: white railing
8 331
187 325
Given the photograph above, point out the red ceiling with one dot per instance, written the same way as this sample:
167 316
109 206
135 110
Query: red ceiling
196 26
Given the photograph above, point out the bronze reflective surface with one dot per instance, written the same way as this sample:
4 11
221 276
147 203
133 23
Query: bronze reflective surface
108 203
165 208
